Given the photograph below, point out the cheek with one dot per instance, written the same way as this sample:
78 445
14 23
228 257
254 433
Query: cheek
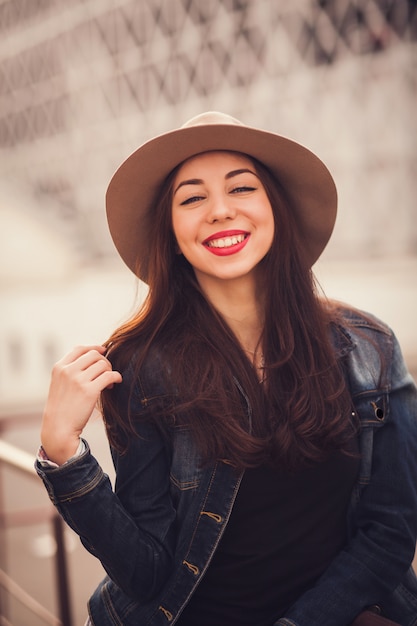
181 237
269 222
184 228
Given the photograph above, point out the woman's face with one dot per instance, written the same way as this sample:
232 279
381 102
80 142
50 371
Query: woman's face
221 216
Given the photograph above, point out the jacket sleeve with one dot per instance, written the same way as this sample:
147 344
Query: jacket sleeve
382 544
130 530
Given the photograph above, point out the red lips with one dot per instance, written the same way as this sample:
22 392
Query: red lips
227 242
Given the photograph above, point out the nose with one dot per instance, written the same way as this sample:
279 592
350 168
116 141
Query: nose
221 208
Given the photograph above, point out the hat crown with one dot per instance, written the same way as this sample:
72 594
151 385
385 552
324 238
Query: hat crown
211 117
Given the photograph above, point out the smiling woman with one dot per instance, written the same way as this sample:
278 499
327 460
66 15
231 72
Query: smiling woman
220 207
264 439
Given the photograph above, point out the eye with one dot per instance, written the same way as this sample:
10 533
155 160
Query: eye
243 189
191 200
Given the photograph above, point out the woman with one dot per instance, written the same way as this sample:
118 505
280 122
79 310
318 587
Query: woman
264 439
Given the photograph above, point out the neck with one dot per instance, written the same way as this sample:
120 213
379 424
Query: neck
240 303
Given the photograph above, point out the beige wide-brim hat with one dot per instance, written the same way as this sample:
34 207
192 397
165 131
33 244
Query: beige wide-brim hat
134 188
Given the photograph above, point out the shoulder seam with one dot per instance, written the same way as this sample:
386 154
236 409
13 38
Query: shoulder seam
356 318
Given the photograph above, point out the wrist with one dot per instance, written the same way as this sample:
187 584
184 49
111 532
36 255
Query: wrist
60 452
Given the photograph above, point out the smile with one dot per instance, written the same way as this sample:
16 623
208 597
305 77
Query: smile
226 243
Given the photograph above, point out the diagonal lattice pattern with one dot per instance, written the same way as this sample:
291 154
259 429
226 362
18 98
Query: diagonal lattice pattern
165 51
91 78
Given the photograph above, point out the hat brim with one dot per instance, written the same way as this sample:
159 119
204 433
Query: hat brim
134 188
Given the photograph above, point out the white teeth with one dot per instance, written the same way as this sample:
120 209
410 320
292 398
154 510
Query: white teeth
226 242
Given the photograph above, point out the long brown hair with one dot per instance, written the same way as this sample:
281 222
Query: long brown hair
299 413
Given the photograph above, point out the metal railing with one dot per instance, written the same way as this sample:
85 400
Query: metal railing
22 462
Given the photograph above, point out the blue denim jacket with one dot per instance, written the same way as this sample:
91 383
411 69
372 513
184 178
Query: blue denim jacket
155 535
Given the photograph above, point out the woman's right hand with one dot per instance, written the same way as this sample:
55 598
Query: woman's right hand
76 383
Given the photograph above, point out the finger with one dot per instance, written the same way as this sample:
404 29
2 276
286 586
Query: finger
80 351
78 377
105 380
95 369
72 369
92 358
111 378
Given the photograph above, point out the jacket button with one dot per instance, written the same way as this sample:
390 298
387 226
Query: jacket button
379 413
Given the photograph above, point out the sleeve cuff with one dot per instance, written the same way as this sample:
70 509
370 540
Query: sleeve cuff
45 462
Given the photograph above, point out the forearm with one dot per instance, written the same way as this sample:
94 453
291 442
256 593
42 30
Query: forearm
137 560
346 588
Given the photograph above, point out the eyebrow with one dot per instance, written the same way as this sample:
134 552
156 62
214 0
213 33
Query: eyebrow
200 181
191 181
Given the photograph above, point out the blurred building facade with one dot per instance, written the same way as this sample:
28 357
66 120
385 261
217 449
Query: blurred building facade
83 83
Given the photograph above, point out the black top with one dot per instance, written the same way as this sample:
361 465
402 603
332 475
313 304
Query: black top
283 532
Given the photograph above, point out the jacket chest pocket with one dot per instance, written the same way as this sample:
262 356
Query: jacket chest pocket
373 411
186 461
